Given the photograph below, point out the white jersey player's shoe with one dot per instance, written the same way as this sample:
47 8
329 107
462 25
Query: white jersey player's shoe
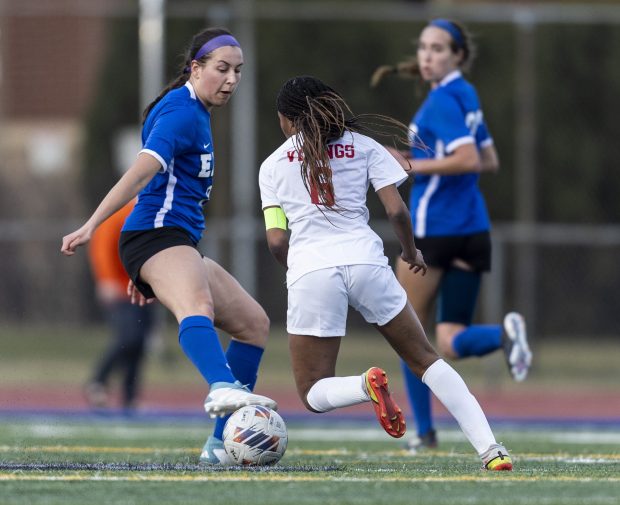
496 458
226 397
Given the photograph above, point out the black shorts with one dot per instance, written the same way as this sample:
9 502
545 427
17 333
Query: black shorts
135 247
440 252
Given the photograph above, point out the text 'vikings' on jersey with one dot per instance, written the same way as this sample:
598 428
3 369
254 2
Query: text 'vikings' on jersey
333 151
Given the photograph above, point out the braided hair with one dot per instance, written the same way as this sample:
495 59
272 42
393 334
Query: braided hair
184 72
319 116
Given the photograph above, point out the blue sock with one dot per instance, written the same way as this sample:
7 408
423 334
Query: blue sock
419 399
478 340
243 360
200 344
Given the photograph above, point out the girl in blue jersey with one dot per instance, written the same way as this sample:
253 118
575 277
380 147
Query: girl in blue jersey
451 224
173 175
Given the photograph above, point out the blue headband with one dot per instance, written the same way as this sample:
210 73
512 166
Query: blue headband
451 28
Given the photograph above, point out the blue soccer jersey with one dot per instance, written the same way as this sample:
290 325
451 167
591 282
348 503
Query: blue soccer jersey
177 132
448 204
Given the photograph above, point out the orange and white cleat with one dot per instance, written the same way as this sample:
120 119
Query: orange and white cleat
496 458
388 413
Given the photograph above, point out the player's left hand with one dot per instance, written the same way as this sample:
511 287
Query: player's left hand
136 297
416 263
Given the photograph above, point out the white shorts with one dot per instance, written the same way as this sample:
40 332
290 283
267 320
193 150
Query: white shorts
318 302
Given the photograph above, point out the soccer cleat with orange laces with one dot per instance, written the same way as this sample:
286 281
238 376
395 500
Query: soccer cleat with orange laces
388 413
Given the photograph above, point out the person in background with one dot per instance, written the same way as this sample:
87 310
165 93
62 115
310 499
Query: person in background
173 175
318 180
130 324
450 148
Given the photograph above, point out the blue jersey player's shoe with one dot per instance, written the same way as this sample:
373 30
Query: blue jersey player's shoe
425 442
227 397
213 453
516 348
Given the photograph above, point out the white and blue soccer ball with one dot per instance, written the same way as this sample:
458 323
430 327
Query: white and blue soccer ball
255 435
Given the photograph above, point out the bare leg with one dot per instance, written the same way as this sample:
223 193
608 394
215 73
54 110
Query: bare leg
189 286
312 359
236 312
405 335
421 289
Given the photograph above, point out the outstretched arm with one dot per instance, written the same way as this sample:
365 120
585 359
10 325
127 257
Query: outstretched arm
398 215
464 159
128 186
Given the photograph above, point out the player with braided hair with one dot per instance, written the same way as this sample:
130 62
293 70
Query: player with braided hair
318 180
448 213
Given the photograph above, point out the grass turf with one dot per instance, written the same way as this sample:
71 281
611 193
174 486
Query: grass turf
115 460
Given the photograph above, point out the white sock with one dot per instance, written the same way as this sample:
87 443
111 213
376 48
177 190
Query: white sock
448 386
335 392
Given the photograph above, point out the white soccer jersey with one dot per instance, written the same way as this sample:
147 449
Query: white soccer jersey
322 237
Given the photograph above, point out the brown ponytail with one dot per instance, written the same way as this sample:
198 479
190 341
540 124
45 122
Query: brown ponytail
409 68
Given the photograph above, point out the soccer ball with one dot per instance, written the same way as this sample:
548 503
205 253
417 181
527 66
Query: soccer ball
255 435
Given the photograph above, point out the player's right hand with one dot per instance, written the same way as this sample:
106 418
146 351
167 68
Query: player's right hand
72 241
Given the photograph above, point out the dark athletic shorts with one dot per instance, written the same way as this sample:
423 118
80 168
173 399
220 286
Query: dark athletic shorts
440 252
135 247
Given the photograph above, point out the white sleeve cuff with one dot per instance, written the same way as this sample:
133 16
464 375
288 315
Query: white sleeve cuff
452 146
164 165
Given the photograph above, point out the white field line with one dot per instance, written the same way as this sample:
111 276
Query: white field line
368 435
352 434
606 458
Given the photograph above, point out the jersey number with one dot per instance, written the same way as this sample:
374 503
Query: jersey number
473 120
314 193
206 170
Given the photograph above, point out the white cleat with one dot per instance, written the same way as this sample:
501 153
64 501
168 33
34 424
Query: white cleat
516 348
496 458
226 397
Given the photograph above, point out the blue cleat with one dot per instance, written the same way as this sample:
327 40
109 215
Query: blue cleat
213 453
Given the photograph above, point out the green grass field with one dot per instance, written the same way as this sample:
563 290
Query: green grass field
109 459
97 461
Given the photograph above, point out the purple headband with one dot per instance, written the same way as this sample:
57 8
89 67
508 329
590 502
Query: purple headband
451 28
212 45
215 43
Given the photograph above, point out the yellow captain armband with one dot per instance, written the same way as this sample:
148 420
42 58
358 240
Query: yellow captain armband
274 218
